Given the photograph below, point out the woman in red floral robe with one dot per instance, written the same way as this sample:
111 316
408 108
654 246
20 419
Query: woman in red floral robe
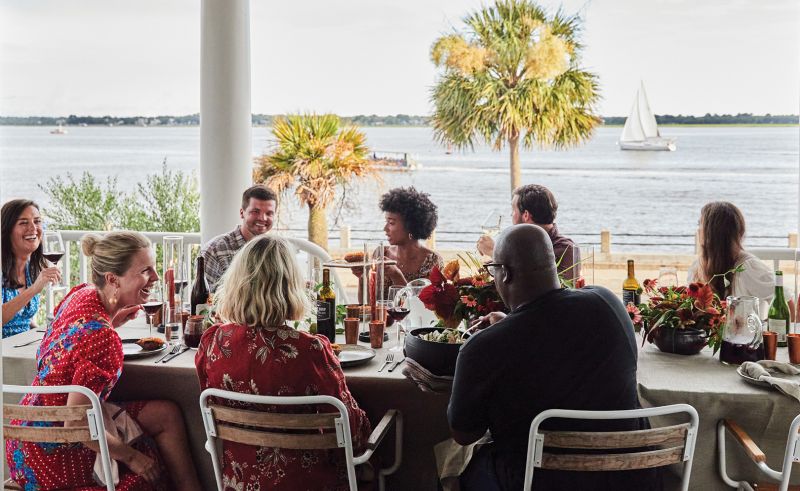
255 352
82 348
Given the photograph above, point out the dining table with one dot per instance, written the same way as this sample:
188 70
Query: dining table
717 392
424 413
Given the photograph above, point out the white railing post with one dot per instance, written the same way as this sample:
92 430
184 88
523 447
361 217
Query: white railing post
605 242
344 237
431 242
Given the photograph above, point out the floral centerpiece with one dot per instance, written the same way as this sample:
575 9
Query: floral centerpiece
680 319
454 299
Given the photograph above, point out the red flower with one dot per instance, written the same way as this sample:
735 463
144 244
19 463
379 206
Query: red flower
441 297
650 285
580 282
694 289
703 297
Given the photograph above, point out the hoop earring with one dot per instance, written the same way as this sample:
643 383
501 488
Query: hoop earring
410 237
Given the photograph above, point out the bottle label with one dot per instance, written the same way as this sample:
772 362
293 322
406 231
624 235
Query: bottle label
200 309
779 280
780 327
630 296
323 311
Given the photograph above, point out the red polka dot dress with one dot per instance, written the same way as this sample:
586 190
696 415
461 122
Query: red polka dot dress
80 348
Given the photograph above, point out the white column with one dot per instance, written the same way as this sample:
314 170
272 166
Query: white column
226 160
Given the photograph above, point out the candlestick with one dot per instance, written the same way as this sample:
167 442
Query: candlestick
169 279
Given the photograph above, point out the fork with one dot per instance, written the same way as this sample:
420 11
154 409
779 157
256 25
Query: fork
389 359
173 351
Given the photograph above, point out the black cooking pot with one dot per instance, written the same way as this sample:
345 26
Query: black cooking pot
437 358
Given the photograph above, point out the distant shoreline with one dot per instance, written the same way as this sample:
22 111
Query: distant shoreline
660 125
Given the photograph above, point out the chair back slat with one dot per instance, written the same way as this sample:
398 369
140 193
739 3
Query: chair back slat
273 420
263 438
51 434
612 462
45 413
667 435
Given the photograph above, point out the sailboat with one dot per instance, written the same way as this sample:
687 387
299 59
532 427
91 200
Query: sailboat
58 131
641 131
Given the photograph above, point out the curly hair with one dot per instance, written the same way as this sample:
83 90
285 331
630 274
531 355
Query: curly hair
418 211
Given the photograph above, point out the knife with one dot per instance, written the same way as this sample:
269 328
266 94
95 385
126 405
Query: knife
397 363
181 351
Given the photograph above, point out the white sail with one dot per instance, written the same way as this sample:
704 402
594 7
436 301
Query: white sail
646 117
633 130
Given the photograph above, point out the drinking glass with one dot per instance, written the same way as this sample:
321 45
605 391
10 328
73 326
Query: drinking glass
398 310
53 249
491 225
154 304
667 276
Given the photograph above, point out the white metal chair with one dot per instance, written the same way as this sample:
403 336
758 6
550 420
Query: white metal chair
790 455
257 428
92 414
314 250
676 443
776 255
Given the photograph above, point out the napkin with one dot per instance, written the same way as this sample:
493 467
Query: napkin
759 371
425 380
452 459
117 423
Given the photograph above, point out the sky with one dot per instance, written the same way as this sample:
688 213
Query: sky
123 58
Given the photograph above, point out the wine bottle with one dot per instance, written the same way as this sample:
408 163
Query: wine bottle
200 295
630 287
778 319
326 308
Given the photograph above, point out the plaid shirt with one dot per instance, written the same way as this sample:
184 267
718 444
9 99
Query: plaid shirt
218 254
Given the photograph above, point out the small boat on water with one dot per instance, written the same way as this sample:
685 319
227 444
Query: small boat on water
58 131
641 130
394 161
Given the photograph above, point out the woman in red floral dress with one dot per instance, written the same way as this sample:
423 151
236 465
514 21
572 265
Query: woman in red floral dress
82 348
255 352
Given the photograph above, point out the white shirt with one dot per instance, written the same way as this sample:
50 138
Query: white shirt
757 280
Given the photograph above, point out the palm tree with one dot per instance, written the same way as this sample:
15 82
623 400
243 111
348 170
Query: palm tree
315 154
513 74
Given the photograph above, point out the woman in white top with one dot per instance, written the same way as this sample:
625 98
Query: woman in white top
721 233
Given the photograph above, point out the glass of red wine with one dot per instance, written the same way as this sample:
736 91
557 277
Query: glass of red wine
53 248
397 310
154 304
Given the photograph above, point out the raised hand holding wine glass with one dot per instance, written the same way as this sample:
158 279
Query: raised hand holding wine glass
53 248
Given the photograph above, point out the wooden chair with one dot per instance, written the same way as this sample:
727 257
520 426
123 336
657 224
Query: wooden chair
675 443
258 428
314 250
91 413
790 455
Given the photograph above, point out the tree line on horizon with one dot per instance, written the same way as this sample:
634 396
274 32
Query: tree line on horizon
372 120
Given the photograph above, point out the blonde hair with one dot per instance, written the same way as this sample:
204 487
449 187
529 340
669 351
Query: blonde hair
112 253
263 285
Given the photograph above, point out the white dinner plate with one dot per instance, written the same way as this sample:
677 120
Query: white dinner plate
760 383
353 354
131 350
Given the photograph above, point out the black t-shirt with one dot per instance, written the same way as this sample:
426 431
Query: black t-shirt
568 349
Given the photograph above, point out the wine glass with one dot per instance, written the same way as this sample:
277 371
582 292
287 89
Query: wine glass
154 304
491 225
398 310
667 276
53 247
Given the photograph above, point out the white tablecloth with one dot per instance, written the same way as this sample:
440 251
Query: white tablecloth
425 414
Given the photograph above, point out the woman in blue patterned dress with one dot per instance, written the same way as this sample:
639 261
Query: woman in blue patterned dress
25 272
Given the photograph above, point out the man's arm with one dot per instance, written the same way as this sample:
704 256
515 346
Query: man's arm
467 413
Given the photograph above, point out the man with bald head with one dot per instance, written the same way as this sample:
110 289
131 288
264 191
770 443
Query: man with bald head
557 348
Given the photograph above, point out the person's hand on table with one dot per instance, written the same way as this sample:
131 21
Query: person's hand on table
793 306
125 314
144 466
485 245
46 276
485 321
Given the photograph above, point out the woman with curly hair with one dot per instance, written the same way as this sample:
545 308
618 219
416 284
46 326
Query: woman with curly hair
410 218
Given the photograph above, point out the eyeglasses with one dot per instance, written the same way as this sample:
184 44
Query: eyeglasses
491 268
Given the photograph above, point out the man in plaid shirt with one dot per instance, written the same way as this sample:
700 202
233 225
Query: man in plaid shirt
259 205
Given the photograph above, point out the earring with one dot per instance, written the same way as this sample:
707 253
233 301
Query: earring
113 300
410 237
